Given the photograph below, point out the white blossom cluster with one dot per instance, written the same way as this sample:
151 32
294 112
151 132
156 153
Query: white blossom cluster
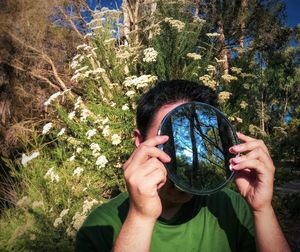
46 128
101 161
52 98
90 133
79 217
223 96
228 77
115 139
177 24
211 68
243 105
208 81
194 56
77 172
25 159
61 132
236 70
150 55
59 220
95 148
213 35
139 82
52 175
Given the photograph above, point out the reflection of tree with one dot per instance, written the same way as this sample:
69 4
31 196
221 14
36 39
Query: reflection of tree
171 147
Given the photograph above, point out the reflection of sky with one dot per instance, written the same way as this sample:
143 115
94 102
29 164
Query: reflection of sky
207 138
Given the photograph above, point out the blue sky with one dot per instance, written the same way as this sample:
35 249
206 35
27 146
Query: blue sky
293 12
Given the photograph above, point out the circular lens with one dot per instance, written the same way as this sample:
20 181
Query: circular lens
199 140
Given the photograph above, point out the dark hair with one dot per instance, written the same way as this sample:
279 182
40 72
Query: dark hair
167 92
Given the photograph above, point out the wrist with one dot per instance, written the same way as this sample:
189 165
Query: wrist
139 218
265 211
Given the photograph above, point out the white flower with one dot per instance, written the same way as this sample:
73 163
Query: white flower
79 150
51 174
138 82
236 70
101 161
125 107
71 232
177 24
26 159
91 133
116 139
64 212
72 158
239 120
106 131
84 114
95 147
150 55
77 220
228 77
208 81
112 104
37 204
77 103
130 93
211 68
224 96
52 98
87 205
243 104
61 132
71 115
46 128
57 222
77 172
213 35
194 56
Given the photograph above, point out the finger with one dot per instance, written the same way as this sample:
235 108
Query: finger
245 138
157 177
252 164
151 142
146 152
136 175
249 146
257 153
154 141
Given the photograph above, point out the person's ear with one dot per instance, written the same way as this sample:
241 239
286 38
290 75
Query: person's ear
138 138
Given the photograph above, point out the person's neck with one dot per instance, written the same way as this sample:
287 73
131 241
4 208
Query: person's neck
169 210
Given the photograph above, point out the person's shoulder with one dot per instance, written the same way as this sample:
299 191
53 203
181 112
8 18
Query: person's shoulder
113 208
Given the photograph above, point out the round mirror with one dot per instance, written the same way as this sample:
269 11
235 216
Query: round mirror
199 140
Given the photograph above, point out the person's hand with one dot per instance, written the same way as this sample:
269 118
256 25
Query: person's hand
254 172
145 174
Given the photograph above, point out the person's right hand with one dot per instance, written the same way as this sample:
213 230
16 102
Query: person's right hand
145 174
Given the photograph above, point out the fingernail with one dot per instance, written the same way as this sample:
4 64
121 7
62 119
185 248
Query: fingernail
230 167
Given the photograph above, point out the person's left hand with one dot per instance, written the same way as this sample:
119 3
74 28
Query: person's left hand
254 172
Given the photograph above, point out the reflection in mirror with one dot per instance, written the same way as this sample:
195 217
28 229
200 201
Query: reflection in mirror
199 139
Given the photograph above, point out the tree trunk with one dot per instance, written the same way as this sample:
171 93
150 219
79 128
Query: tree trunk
244 4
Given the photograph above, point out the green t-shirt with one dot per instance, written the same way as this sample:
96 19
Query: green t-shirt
219 222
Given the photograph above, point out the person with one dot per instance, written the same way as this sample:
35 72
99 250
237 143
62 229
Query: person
156 216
